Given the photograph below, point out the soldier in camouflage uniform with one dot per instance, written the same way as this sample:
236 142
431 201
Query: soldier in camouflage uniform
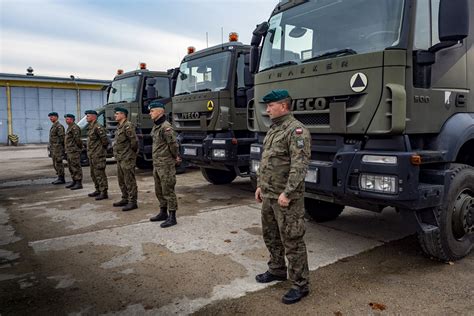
97 143
73 144
280 186
56 147
165 158
125 152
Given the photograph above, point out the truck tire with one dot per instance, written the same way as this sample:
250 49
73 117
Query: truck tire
216 176
253 183
321 211
84 159
455 237
143 164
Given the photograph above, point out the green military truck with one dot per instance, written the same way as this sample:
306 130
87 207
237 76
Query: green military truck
134 90
213 87
384 87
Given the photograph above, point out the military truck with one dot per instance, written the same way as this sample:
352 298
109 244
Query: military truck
213 87
384 87
134 90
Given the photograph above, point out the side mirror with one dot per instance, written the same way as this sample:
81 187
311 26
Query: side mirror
259 33
248 77
453 20
151 91
254 54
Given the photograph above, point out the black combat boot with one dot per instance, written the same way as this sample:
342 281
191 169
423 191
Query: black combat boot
59 180
130 206
94 194
267 277
294 295
122 202
162 216
70 185
171 221
77 185
102 196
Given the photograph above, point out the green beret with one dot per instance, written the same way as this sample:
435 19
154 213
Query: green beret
276 95
123 110
90 112
53 114
155 104
70 115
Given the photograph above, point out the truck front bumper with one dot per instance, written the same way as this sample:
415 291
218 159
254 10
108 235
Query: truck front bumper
354 179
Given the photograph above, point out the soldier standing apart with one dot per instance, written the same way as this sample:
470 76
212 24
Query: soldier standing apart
97 143
73 144
125 152
280 186
56 147
165 158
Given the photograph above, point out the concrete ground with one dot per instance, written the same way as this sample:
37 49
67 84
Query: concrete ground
62 252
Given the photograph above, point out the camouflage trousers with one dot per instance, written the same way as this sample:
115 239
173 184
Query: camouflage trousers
98 174
58 162
74 165
165 180
283 231
126 180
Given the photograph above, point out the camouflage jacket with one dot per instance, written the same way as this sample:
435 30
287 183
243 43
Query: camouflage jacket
165 146
125 142
97 141
285 158
73 141
56 138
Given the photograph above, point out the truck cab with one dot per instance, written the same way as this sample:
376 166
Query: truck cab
213 87
134 90
384 88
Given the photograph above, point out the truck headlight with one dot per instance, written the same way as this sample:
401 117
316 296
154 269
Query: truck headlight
218 153
378 183
384 160
255 149
218 141
254 165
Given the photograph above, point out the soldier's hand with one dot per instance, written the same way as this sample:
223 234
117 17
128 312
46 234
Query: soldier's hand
258 195
178 160
283 201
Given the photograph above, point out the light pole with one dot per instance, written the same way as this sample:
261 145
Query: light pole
78 96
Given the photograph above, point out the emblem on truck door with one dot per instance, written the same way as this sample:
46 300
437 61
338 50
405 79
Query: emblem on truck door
358 82
210 105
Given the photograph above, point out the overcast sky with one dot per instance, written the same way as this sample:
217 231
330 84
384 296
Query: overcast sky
92 39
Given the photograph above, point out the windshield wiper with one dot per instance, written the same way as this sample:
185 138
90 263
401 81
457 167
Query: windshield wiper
117 102
336 53
285 63
201 90
185 92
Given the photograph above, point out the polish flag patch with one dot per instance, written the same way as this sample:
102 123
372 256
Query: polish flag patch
299 131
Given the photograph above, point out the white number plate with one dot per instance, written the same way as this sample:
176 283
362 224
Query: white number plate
312 176
190 151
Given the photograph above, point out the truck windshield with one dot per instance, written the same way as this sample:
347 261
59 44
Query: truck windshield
208 73
124 90
328 28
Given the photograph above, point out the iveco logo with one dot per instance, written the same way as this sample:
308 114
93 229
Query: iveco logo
190 115
309 104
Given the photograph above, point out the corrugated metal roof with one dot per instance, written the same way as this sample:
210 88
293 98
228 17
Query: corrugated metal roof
17 77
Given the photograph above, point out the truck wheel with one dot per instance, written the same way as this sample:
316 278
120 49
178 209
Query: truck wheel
84 159
455 237
253 182
143 164
216 176
321 211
